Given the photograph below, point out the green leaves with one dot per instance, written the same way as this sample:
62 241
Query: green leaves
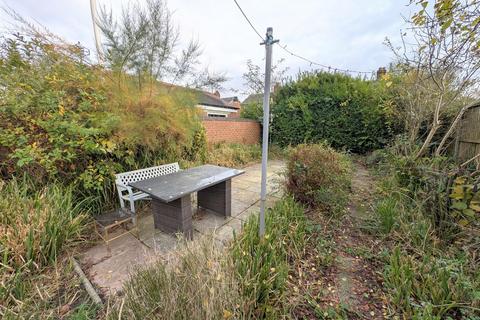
346 112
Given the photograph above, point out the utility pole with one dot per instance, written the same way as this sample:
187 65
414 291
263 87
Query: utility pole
96 30
269 42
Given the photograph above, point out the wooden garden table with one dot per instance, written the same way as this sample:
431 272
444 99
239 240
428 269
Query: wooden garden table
171 195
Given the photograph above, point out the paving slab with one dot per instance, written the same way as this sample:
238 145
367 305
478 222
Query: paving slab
109 267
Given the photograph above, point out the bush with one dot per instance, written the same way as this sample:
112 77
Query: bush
253 110
262 263
348 113
318 176
63 119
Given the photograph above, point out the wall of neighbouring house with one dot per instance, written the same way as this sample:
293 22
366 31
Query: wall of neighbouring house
232 130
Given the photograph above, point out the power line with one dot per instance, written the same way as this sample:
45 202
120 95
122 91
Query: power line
248 20
330 68
284 47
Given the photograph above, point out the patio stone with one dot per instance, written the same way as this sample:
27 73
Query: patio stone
208 222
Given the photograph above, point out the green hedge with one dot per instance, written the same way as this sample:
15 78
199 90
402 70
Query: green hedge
347 112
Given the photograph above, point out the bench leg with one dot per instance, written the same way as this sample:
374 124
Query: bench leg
217 198
174 217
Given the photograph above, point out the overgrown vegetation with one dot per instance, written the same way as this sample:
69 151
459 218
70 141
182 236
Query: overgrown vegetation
348 113
262 263
35 225
432 271
318 176
205 282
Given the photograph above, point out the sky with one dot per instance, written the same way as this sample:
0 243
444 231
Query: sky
344 34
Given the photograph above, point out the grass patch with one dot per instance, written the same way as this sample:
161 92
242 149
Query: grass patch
54 293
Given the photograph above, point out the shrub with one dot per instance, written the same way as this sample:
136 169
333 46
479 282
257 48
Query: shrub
261 264
318 176
253 110
348 113
63 119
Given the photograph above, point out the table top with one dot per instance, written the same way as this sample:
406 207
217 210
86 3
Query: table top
173 186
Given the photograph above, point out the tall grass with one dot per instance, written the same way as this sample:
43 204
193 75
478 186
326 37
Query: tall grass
233 154
203 281
197 283
35 225
262 263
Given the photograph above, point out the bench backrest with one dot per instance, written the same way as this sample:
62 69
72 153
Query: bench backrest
123 179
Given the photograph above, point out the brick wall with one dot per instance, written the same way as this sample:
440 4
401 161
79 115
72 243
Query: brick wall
232 130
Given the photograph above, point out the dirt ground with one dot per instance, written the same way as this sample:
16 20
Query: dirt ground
340 275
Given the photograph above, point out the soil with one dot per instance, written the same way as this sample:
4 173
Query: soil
342 277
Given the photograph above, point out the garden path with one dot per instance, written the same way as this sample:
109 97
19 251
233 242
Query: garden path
357 276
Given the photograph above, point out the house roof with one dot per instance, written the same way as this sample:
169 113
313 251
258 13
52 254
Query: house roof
210 99
253 98
206 98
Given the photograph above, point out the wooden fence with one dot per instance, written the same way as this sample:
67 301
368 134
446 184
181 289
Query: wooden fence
467 143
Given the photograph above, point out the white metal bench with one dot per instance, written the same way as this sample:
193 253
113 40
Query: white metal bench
126 193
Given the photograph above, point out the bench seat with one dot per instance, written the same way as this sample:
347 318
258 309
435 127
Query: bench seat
127 193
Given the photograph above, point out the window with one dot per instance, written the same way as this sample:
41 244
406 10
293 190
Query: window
216 115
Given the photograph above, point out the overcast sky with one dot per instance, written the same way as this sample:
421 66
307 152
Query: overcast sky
346 34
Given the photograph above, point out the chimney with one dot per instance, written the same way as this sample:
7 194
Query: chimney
216 93
236 103
381 72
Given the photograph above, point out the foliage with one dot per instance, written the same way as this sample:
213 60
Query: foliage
440 61
254 77
253 110
233 154
35 225
62 119
198 284
465 200
318 176
432 272
144 42
429 285
348 113
261 263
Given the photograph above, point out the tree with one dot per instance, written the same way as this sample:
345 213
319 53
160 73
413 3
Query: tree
255 76
144 42
444 61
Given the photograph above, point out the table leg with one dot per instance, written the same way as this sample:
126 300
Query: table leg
173 217
217 198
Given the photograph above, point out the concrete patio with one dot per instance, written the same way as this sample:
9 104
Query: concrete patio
108 267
